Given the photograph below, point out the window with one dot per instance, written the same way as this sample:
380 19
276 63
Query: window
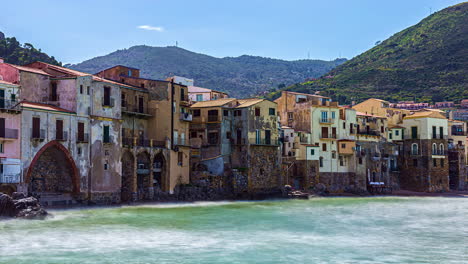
382 129
321 162
290 115
434 149
267 137
434 162
226 112
1 147
106 165
36 127
341 160
312 152
129 73
324 116
333 115
414 132
81 89
228 135
257 111
142 85
212 115
415 162
441 129
53 92
239 136
79 151
106 135
196 112
88 90
13 97
59 130
2 127
238 113
434 132
343 145
344 125
333 155
107 96
441 149
351 128
193 134
80 132
123 100
257 136
324 147
271 111
390 135
180 158
182 94
360 160
414 149
199 98
397 132
213 138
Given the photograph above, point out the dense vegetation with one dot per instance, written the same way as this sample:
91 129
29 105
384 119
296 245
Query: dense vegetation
426 62
15 53
240 76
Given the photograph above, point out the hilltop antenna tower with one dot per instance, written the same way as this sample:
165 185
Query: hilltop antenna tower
177 43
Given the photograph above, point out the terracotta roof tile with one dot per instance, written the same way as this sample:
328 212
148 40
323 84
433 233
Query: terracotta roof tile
44 107
213 103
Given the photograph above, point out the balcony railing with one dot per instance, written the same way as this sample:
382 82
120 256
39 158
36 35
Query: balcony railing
458 133
9 133
134 109
108 102
143 142
264 142
185 117
61 136
83 138
213 118
439 152
369 133
10 178
323 120
38 134
9 104
326 136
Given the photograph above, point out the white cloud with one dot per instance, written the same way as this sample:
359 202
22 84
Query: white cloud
148 27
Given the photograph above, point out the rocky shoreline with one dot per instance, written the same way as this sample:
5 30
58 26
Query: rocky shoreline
20 206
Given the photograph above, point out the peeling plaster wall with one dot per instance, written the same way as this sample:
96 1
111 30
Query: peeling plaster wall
11 147
35 87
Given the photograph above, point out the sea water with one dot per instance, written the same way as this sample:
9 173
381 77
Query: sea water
322 230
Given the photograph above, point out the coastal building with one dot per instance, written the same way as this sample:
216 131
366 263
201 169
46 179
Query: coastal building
10 140
199 94
423 157
457 155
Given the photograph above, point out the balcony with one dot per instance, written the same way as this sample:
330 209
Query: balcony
371 132
439 153
213 118
326 120
143 142
136 110
9 134
61 136
9 105
458 133
108 102
10 178
264 142
328 136
38 134
186 117
83 138
108 140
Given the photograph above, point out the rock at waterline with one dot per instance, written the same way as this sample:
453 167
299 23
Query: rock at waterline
21 206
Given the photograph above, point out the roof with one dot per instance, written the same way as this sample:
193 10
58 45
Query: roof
196 89
8 83
248 102
425 114
29 69
213 103
368 115
286 127
118 65
44 107
392 127
315 95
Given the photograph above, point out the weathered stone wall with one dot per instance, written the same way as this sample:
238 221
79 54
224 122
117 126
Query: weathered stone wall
264 168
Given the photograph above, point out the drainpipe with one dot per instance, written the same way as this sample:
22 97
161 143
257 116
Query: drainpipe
172 113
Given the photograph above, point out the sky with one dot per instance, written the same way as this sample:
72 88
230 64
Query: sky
74 31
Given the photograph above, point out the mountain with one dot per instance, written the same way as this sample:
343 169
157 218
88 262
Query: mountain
239 76
16 53
425 62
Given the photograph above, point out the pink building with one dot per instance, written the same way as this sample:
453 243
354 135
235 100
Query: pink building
444 105
464 103
410 105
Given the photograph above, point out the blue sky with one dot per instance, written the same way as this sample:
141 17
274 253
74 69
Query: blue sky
73 31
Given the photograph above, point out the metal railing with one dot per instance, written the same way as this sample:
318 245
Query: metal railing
458 133
369 133
326 120
10 178
186 117
9 104
135 109
264 141
61 136
83 138
213 118
9 133
39 134
324 136
110 102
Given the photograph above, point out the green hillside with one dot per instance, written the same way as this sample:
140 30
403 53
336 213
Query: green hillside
239 76
16 53
425 62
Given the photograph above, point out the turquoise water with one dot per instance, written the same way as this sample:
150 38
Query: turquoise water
323 230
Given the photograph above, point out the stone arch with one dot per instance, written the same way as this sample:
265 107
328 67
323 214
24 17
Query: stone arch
53 170
144 181
7 189
128 169
159 171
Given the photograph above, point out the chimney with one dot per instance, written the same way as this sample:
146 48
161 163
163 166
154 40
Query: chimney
2 60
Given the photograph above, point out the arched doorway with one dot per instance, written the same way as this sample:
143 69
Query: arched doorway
143 175
159 170
53 176
128 168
